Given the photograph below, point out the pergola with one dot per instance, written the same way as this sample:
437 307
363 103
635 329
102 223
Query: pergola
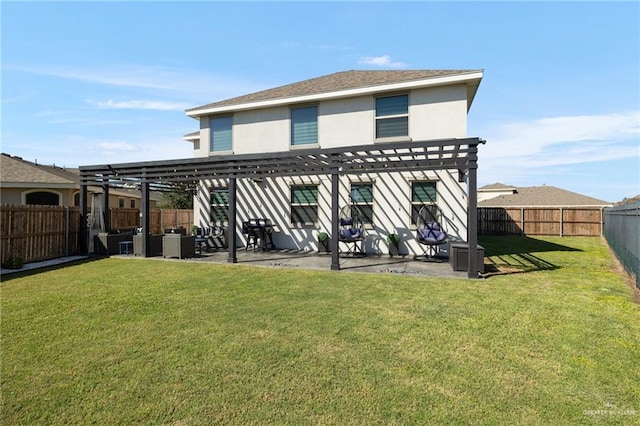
428 155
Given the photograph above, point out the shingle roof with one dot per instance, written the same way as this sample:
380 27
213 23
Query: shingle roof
496 185
335 82
17 170
546 195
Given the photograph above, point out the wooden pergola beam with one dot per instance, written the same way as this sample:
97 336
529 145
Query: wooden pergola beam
428 155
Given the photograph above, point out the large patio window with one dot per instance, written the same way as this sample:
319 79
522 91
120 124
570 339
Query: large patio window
221 134
219 205
392 116
362 198
421 193
304 126
304 204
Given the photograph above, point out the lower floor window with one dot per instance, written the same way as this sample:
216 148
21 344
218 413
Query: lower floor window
362 199
304 204
219 205
421 193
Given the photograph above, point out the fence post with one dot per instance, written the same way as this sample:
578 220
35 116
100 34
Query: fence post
66 231
561 222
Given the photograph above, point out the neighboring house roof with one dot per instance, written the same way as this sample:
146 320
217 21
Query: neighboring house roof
542 196
193 136
16 172
631 200
345 83
496 186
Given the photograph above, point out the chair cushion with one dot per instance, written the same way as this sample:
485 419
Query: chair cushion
346 221
431 236
351 234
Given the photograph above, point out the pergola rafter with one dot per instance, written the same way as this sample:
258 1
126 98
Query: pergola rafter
429 155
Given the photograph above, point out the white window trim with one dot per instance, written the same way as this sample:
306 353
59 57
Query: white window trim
367 225
211 205
291 205
414 226
227 152
310 145
406 138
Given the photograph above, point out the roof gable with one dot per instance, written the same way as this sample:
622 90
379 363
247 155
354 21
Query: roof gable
336 83
542 196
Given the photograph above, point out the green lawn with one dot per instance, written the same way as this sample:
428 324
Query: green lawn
123 341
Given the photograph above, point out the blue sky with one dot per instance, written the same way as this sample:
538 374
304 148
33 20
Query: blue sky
105 82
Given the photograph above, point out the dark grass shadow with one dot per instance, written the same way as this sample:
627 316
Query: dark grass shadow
515 254
503 245
27 270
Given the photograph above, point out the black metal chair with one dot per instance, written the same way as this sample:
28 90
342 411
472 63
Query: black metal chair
429 231
351 230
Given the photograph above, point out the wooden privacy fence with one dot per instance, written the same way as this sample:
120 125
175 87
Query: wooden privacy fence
160 219
562 221
34 233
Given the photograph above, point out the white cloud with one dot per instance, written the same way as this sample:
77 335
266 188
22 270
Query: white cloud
141 104
381 61
573 138
533 150
116 146
194 86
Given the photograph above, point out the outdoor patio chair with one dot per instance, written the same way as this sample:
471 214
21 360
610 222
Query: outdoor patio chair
217 237
429 231
351 230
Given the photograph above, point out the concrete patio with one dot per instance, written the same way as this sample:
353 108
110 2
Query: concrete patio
378 264
292 259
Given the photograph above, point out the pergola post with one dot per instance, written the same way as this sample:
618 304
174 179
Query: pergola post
145 220
105 206
472 213
232 258
335 227
83 247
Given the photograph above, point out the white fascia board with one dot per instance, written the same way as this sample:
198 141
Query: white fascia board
405 85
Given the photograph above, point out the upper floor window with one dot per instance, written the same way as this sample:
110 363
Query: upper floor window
304 204
132 204
221 134
421 193
304 126
362 198
392 116
219 205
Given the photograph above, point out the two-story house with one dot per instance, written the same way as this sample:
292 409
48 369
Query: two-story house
345 109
